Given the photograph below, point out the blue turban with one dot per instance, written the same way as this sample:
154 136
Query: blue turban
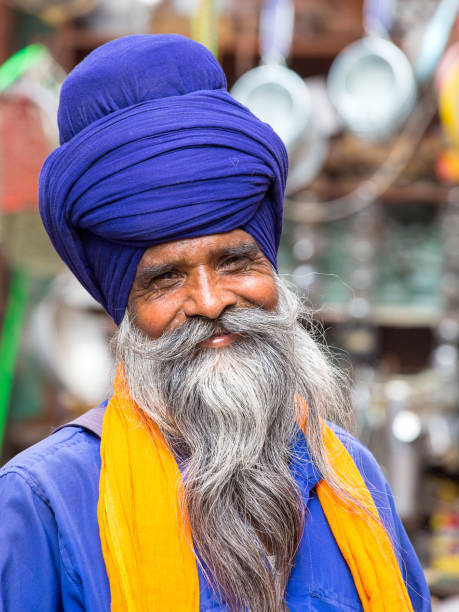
154 149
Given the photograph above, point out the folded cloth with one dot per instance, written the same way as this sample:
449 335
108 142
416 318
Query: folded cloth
154 149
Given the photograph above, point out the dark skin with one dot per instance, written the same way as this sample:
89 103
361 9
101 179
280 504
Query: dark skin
200 277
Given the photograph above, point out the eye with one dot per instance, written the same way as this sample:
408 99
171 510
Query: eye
166 279
237 262
164 276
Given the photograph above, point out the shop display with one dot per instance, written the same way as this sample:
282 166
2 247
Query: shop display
435 39
404 270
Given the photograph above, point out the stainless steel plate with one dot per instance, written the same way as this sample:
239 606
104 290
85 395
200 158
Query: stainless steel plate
373 87
277 96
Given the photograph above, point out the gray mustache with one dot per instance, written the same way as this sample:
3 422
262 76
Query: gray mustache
184 341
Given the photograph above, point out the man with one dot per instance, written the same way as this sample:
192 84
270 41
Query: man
217 484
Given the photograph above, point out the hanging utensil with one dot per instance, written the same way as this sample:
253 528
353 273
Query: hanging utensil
280 97
371 82
273 92
379 16
435 39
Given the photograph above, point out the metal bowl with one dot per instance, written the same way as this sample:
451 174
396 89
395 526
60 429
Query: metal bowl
372 86
277 96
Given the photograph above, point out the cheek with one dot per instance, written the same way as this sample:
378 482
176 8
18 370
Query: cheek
261 292
154 317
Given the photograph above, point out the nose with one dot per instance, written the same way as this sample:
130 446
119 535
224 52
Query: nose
207 295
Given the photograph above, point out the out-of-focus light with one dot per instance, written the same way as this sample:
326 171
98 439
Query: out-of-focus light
445 357
304 276
361 278
406 426
304 249
359 308
397 391
448 330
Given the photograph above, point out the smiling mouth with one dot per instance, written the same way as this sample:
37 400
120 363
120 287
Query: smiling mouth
220 340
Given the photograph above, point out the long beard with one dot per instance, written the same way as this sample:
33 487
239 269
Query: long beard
230 415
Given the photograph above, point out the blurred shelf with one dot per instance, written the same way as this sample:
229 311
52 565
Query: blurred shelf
386 316
312 46
425 192
320 31
241 43
83 38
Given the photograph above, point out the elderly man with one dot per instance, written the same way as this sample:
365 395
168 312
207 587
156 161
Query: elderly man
219 481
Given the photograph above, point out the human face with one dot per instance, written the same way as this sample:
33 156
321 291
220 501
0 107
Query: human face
200 277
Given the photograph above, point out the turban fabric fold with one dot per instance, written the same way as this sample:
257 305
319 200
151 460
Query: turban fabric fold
154 149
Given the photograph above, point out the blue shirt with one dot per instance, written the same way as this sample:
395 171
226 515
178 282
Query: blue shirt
50 551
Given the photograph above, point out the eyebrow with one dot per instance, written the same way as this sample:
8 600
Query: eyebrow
247 249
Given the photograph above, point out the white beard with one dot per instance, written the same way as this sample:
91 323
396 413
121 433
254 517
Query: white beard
230 415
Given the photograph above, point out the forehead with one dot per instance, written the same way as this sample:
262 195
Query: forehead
200 250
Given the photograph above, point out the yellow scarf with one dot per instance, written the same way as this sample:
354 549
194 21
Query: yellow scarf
145 535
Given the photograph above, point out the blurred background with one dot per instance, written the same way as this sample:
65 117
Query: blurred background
365 95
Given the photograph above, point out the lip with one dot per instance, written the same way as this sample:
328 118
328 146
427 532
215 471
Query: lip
219 341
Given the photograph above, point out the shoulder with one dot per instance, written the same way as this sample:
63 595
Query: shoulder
64 459
352 444
49 542
363 458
